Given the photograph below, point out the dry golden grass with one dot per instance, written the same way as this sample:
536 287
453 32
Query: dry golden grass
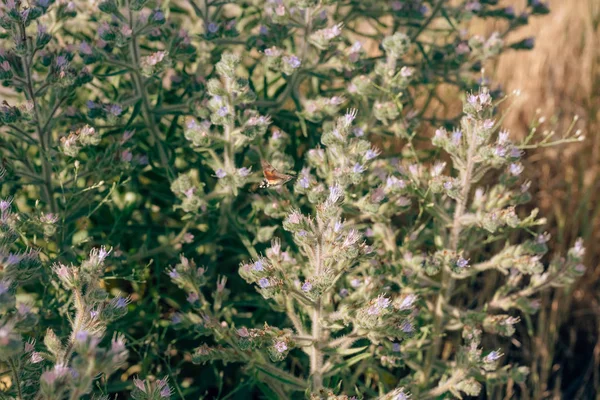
560 78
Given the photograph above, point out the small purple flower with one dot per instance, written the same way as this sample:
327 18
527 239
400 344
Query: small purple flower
13 259
292 61
358 132
407 327
350 116
127 135
103 253
358 168
578 248
294 218
304 182
500 151
401 396
120 302
139 384
176 319
408 302
263 30
212 27
529 43
272 52
5 204
406 72
61 61
371 154
448 185
462 48
515 153
264 283
36 357
142 160
462 263
456 137
280 346
115 110
81 336
393 182
192 297
174 274
243 172
126 156
220 173
337 226
515 169
485 98
307 286
473 6
85 48
223 111
61 270
258 266
158 16
335 193
165 392
377 195
336 100
383 302
488 124
492 356
373 310
440 133
396 347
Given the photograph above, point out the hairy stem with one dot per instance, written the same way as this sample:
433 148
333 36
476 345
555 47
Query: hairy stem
146 106
316 357
44 137
446 279
17 381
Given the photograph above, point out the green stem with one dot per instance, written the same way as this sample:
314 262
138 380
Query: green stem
17 381
146 106
44 137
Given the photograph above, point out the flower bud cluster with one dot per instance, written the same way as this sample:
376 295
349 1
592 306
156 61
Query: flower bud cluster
73 143
187 276
279 61
277 342
190 192
151 390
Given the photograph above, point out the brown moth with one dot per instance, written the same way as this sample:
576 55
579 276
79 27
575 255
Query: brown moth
272 176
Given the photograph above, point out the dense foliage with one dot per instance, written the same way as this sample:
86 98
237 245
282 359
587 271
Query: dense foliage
142 253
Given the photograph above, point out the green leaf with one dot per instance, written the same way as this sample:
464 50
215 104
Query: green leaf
350 351
348 363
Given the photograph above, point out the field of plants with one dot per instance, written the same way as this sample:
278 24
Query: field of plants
299 199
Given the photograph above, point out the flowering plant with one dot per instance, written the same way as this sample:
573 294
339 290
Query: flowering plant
143 127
